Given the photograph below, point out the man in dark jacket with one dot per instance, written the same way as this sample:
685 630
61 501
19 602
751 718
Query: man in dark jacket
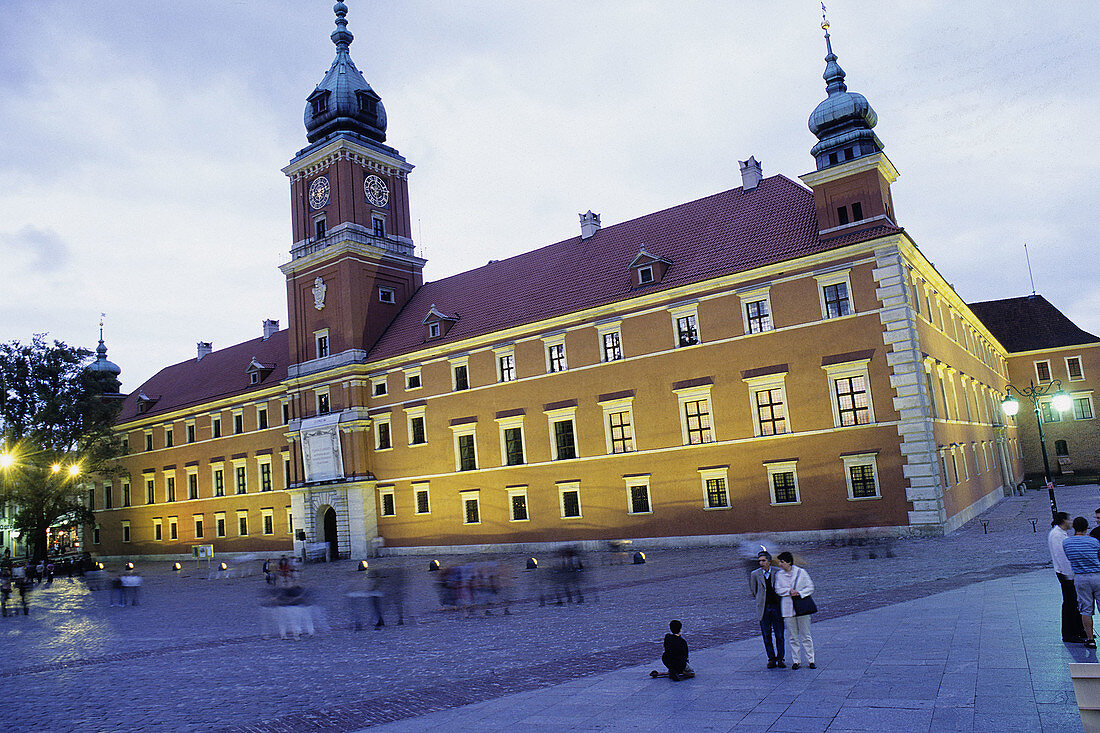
676 653
767 608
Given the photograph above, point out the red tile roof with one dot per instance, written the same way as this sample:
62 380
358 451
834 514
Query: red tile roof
218 375
728 232
1029 323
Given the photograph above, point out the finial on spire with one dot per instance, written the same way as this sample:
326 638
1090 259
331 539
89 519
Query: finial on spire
824 27
342 37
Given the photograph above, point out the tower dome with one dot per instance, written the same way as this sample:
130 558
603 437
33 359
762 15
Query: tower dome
843 121
344 101
102 370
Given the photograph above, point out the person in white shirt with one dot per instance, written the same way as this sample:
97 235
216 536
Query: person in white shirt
1073 632
793 581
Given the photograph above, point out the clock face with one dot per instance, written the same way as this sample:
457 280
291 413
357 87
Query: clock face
318 192
377 192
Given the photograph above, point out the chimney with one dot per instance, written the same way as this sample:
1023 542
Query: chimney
590 224
750 173
270 328
205 347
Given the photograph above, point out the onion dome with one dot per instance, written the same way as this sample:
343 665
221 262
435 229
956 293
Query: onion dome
103 370
344 101
843 122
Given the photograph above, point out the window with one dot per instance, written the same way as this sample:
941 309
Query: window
267 520
1082 408
286 470
219 482
569 500
637 495
242 523
173 528
125 493
783 481
770 413
216 427
511 441
555 354
170 488
834 290
1049 413
219 524
150 491
715 491
91 499
386 295
697 421
190 432
1061 448
95 535
645 275
322 402
125 530
238 422
857 209
286 413
149 440
378 386
461 376
386 505
1073 368
412 379
382 438
320 340
563 440
417 435
158 529
423 504
611 341
261 418
517 504
319 227
756 310
241 483
506 365
861 473
687 333
265 474
850 394
193 484
465 449
471 507
169 437
108 498
378 226
433 330
842 211
290 521
1042 371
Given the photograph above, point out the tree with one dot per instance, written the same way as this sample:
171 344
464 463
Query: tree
55 427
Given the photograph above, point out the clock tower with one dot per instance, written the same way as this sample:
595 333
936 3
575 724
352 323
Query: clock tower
352 262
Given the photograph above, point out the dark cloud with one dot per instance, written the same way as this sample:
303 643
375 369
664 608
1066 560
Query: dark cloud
44 249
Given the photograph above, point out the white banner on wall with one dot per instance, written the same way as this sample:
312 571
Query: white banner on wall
321 448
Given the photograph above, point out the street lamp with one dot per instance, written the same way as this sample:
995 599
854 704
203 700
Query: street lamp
1060 402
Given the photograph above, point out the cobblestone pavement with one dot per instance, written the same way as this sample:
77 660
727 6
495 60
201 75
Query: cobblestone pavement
191 656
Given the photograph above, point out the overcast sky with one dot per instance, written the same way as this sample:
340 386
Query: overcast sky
142 143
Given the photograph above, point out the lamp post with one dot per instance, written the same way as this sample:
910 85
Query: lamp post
1060 402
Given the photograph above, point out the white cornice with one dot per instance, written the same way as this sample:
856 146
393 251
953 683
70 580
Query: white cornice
878 162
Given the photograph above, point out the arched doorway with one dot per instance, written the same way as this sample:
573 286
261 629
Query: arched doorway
329 523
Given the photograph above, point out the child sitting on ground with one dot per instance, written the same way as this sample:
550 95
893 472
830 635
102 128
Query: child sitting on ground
676 653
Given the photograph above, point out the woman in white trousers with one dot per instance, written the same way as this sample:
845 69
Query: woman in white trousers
791 582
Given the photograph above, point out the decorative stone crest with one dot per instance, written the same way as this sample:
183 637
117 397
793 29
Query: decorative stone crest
319 290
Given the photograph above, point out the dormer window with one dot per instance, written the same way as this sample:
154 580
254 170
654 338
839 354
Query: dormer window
433 330
257 371
318 103
645 275
145 402
367 103
437 323
647 268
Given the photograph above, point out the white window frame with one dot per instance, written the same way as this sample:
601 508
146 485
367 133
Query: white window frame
613 407
756 295
382 293
290 521
862 459
690 310
514 491
1050 372
633 482
511 423
158 529
1073 408
845 369
410 414
238 464
379 421
378 223
262 461
125 534
560 415
190 432
763 383
419 486
173 528
783 467
549 345
384 491
459 431
265 514
463 362
565 487
198 526
238 417
1080 368
321 343
499 355
95 534
170 490
466 496
605 329
709 474
378 386
694 394
411 374
642 272
148 440
835 278
262 410
243 514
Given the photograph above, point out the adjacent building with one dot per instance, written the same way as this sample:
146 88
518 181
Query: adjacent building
777 357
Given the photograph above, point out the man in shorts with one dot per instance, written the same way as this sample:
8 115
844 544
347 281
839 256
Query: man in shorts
1083 553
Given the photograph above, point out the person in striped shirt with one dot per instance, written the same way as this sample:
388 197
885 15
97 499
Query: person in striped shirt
1083 553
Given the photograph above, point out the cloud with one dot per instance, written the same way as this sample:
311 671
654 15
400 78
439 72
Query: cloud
42 249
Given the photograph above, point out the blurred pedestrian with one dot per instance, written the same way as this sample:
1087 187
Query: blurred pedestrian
118 595
791 583
131 585
1073 631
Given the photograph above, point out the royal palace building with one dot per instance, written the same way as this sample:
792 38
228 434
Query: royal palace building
779 357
